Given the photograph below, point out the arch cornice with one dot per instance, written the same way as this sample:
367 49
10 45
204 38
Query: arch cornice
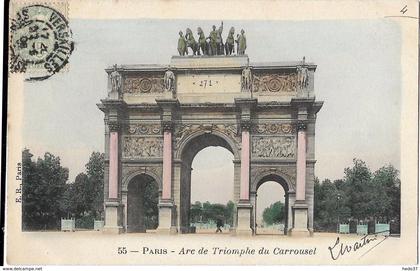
144 171
185 141
258 175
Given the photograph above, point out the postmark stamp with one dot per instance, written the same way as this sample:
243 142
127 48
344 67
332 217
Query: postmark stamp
40 42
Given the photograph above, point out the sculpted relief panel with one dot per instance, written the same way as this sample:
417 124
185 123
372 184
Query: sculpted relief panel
142 147
144 129
273 147
273 128
143 85
274 83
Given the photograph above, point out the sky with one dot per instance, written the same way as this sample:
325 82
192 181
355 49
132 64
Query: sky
358 78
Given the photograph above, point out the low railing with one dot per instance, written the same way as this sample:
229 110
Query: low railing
382 229
98 225
344 228
68 224
362 229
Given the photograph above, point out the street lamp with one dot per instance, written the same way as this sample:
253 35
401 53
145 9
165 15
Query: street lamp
338 211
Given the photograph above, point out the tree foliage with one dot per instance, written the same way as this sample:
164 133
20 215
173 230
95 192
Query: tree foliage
47 197
206 212
43 185
84 197
360 196
274 214
150 203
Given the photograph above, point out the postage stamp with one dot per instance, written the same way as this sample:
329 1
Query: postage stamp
206 133
40 41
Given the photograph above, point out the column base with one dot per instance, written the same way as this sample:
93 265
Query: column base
166 209
113 230
166 231
243 232
300 220
135 229
244 219
299 232
113 217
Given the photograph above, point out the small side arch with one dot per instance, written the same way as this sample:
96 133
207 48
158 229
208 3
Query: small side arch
281 178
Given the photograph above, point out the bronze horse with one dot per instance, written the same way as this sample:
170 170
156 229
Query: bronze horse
191 43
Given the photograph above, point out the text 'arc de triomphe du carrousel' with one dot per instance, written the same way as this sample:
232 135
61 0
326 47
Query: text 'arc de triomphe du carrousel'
158 117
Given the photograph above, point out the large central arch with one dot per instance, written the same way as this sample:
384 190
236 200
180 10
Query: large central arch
188 150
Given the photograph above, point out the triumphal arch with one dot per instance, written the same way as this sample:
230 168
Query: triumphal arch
158 117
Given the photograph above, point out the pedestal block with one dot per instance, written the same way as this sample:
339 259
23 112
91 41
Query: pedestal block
244 219
166 213
300 219
113 217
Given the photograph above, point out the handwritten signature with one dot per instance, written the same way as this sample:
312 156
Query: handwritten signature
340 249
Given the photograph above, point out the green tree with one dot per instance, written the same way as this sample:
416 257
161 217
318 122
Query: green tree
212 212
81 199
86 193
196 212
358 179
150 203
95 173
66 201
229 212
43 183
360 195
388 184
274 213
207 212
218 211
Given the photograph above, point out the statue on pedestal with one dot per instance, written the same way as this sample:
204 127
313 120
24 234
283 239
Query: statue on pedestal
202 43
116 80
246 79
241 43
303 75
213 44
213 41
169 80
182 44
230 42
219 41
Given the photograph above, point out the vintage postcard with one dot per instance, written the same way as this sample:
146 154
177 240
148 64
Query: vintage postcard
212 133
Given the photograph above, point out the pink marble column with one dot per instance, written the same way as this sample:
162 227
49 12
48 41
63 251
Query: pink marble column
245 165
167 164
113 165
301 162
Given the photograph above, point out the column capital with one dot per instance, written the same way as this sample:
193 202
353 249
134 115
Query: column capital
167 126
246 107
114 126
246 125
301 126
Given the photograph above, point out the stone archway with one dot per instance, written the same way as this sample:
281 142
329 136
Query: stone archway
271 177
269 127
190 148
142 203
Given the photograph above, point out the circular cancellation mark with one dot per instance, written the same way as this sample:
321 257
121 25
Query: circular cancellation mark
40 42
